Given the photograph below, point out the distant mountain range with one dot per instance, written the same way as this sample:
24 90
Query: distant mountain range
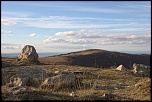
41 54
98 58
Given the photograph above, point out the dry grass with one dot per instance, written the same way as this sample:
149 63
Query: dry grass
92 77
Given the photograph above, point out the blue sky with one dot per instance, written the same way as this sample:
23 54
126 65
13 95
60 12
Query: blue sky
56 26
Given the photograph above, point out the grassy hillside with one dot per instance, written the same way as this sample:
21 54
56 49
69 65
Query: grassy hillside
100 58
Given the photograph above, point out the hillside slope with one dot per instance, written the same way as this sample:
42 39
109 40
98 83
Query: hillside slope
96 57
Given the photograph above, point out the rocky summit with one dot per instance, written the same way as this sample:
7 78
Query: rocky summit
29 53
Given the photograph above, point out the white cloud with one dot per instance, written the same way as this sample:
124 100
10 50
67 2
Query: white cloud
7 23
7 44
33 35
97 33
8 47
70 41
125 39
69 33
70 22
91 36
82 8
80 34
6 32
132 29
53 40
64 24
79 41
63 47
137 6
99 10
15 14
11 46
79 8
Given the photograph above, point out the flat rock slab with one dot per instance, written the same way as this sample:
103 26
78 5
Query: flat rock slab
20 90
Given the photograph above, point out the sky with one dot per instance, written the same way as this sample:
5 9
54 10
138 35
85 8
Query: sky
69 26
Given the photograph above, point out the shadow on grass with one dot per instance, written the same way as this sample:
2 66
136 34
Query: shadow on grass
36 95
117 97
40 95
96 76
92 97
43 95
113 98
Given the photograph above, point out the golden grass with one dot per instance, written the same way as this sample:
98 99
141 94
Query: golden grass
87 91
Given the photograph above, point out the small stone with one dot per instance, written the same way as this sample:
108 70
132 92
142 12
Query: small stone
115 88
104 95
56 72
72 94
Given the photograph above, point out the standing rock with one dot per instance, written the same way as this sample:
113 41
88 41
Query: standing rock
29 53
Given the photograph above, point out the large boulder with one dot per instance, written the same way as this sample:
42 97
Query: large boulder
29 53
28 77
61 80
141 69
7 73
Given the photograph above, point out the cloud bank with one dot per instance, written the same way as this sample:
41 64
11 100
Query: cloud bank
96 37
70 41
33 35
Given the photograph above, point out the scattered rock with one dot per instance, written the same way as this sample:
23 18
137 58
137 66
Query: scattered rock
6 75
108 96
29 53
115 88
73 94
56 72
15 81
141 69
30 76
121 67
58 81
